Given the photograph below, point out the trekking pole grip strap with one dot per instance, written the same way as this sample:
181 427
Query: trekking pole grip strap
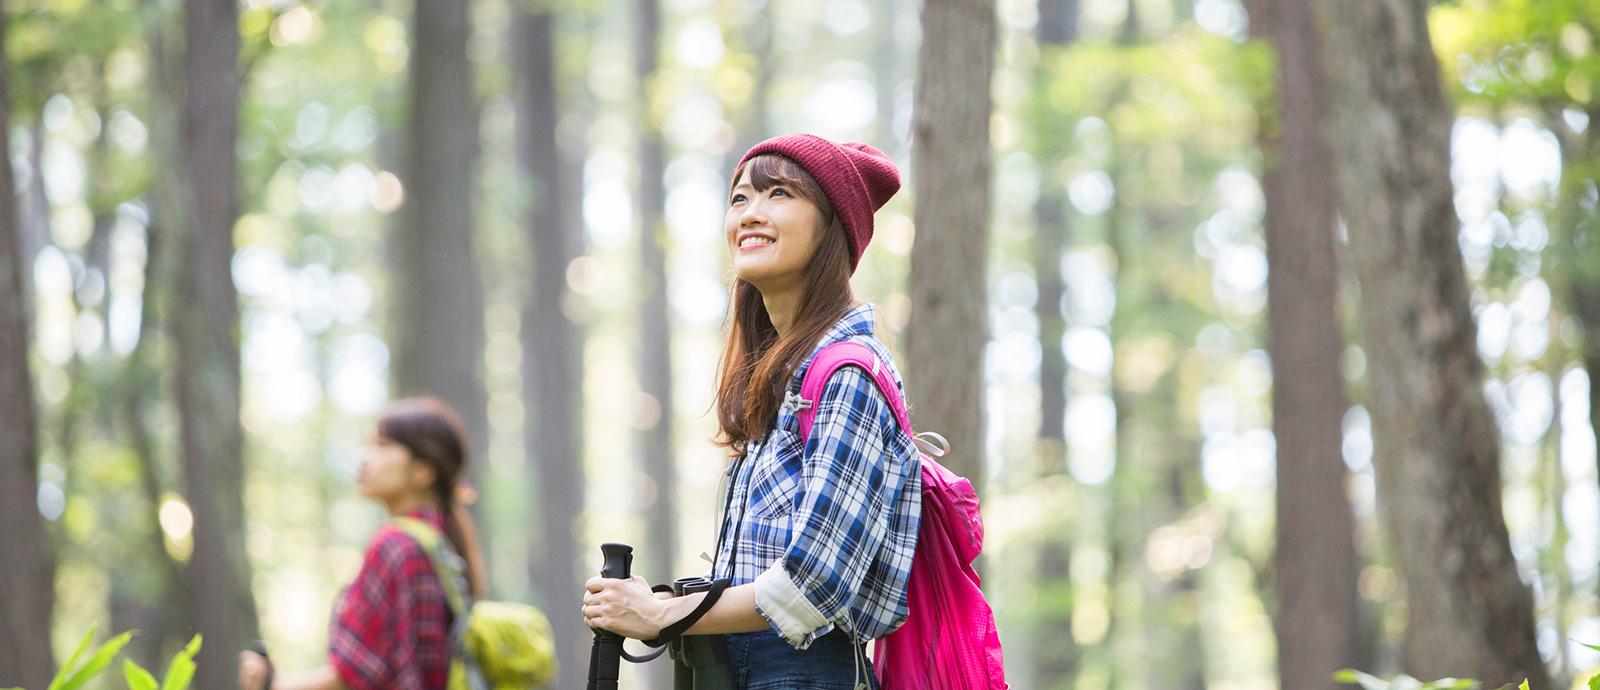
676 630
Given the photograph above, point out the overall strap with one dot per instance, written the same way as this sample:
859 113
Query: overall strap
451 570
829 360
445 563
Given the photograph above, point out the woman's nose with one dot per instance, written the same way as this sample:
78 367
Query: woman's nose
753 213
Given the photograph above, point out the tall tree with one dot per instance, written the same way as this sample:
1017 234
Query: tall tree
27 572
1054 655
753 128
206 374
552 353
885 58
1315 556
1437 446
438 295
655 334
949 328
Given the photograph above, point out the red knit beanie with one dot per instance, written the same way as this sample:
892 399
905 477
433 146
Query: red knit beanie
857 178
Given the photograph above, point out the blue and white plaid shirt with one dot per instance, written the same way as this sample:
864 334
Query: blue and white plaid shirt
826 532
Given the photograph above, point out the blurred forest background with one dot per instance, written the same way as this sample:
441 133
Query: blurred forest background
1225 439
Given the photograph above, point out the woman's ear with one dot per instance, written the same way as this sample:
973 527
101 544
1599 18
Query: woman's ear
421 475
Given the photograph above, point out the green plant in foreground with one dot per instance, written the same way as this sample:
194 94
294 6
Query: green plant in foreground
1368 681
73 676
179 673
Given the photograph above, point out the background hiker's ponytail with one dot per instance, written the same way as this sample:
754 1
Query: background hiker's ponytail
436 436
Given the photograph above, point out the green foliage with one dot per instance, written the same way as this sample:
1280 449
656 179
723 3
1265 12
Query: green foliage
137 677
1368 681
179 673
72 676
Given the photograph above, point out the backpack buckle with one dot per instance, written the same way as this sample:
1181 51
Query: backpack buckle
795 403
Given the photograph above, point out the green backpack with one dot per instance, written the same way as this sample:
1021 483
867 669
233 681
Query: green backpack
498 645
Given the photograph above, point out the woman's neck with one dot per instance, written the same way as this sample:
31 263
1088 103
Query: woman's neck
404 505
782 305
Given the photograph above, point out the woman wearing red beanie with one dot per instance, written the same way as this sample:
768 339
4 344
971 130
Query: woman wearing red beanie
817 535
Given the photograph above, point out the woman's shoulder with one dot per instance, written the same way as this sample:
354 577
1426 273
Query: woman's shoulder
393 546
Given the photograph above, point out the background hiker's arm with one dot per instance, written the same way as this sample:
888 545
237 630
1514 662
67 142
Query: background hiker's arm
316 679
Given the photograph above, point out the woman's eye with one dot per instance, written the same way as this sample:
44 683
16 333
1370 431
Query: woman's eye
736 199
780 190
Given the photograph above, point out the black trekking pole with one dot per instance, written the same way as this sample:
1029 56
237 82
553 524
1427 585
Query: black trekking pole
605 658
701 661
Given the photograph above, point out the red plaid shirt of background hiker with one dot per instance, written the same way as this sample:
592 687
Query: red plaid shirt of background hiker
391 627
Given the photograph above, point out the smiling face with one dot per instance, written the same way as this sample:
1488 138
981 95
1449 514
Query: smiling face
772 227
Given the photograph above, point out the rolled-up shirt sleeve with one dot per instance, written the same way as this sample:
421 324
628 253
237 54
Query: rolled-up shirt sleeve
850 478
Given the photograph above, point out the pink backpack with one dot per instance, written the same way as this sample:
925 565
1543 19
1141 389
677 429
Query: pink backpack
949 640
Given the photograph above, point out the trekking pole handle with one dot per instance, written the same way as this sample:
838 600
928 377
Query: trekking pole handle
618 561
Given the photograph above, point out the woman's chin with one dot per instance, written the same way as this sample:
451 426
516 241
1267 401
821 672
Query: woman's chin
759 271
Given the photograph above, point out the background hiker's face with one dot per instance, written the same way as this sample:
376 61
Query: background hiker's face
771 234
388 472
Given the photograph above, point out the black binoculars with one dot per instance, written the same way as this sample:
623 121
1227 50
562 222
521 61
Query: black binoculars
699 662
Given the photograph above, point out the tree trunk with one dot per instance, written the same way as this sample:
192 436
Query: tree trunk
139 389
1055 653
27 571
949 325
885 58
437 291
655 360
753 129
1437 446
1315 556
552 354
205 330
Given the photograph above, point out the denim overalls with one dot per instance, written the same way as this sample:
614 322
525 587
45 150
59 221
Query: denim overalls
825 665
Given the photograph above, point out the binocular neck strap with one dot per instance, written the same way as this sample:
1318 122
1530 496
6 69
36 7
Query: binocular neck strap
676 630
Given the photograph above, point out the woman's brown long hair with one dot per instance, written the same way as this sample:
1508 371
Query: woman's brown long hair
756 362
436 436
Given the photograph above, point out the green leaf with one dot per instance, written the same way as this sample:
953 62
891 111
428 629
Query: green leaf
1367 681
1590 646
1594 682
138 678
97 663
72 661
1524 685
181 671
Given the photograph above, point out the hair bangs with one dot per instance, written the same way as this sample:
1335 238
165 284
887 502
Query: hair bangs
770 170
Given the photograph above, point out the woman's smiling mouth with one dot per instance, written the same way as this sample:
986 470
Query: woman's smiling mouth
753 240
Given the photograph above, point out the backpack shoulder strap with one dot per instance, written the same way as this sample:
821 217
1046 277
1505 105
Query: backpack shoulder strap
432 542
834 357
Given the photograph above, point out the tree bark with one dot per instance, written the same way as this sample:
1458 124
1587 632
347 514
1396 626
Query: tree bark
949 328
1437 447
1055 653
754 129
655 335
1315 557
552 354
438 294
205 334
27 571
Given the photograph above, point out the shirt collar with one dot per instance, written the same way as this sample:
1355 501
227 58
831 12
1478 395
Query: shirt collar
428 513
860 320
